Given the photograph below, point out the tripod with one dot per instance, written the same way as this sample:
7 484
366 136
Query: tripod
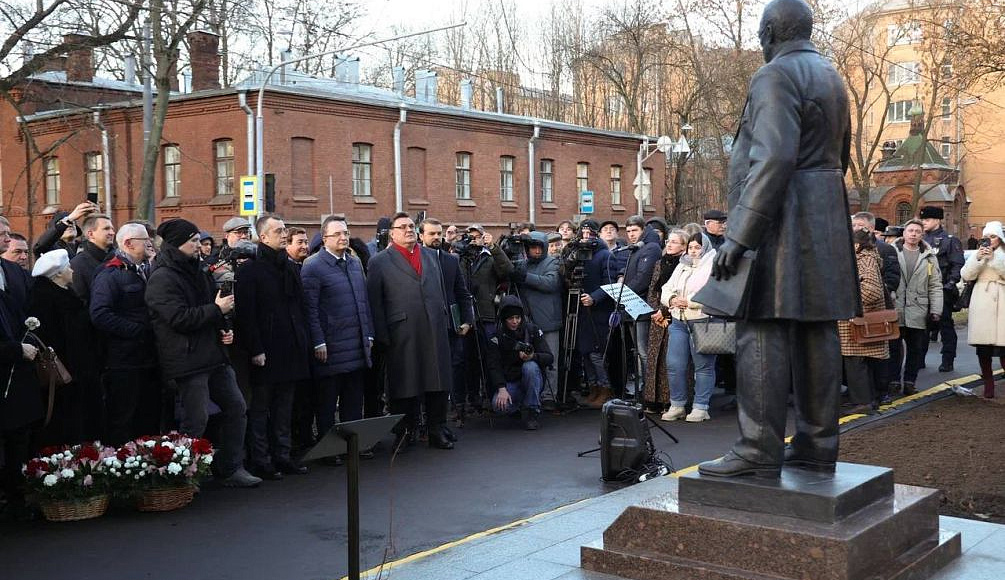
569 340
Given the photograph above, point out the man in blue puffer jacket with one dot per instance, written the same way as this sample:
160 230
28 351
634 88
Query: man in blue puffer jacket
341 326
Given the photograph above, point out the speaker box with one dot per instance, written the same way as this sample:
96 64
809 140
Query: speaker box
625 441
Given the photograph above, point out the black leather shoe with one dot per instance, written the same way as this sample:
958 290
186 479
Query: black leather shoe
448 434
946 366
438 441
794 458
266 472
291 468
732 465
909 388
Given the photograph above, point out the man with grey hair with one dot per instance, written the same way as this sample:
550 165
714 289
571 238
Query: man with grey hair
118 310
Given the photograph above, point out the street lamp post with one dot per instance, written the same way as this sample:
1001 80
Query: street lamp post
672 150
260 120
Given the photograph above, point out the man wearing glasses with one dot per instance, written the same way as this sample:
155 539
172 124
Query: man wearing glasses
410 319
271 325
119 310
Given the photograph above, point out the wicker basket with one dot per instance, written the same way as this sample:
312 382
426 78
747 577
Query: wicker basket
165 499
68 511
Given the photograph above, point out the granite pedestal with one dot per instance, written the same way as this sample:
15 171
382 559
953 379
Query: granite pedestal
854 524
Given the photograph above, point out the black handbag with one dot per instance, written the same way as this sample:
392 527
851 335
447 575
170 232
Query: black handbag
963 302
713 335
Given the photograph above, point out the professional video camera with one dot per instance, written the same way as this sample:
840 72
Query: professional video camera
575 256
515 246
225 270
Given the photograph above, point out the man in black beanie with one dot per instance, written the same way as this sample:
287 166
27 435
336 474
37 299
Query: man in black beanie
191 330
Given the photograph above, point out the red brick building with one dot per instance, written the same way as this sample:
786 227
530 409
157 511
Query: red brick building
331 146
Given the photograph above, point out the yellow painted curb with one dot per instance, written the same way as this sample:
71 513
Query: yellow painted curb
373 572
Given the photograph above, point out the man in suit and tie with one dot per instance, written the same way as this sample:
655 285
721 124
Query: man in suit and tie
411 317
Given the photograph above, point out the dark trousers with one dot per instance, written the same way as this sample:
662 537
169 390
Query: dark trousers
373 386
269 423
343 393
947 329
914 342
305 408
16 452
860 373
436 412
458 388
132 404
475 347
220 385
777 356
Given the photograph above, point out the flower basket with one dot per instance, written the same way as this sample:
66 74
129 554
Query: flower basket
73 510
164 499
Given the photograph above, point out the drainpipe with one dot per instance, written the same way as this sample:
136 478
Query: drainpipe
242 100
641 174
399 201
106 161
531 166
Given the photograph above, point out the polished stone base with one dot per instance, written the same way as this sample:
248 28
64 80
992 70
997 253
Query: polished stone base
855 525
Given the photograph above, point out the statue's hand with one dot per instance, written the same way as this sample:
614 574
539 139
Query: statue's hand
726 259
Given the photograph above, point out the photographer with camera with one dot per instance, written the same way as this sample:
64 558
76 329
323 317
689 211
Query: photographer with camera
540 287
382 237
517 355
485 267
589 265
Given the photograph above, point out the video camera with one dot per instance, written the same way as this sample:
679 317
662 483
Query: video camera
524 347
576 255
463 245
231 257
515 246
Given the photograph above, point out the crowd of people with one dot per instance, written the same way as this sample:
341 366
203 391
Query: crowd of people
263 345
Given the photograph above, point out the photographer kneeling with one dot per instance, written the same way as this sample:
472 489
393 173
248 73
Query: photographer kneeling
516 355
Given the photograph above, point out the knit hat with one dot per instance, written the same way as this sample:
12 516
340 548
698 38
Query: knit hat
51 263
510 306
590 224
177 231
993 228
383 224
881 224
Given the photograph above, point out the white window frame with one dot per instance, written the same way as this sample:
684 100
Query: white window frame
897 112
172 171
615 185
946 149
582 176
547 180
52 181
903 73
506 163
947 108
224 163
362 170
462 175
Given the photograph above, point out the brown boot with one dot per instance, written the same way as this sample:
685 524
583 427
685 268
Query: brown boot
591 397
604 394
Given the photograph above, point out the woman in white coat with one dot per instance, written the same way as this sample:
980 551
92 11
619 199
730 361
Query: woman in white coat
985 269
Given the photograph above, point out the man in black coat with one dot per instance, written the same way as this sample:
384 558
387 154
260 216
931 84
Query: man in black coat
271 325
950 254
787 201
458 298
119 311
715 227
637 276
191 334
98 246
20 399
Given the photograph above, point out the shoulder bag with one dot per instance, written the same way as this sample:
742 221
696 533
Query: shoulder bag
963 302
713 335
51 372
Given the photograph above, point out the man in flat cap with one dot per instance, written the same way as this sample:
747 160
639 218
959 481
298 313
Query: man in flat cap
950 254
715 227
787 201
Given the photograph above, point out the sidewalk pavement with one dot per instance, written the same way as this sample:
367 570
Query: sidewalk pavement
547 546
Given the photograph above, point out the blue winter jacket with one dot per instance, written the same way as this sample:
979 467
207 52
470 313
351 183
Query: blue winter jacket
338 312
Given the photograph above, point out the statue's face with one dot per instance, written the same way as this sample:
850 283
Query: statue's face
766 36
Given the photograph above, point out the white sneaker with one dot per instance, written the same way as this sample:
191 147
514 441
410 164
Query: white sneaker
673 413
697 416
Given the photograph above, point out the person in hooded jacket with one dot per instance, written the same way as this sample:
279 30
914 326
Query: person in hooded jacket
918 300
677 295
637 276
540 285
77 409
517 356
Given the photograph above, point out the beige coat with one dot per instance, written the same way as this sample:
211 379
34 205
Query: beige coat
923 295
987 303
685 282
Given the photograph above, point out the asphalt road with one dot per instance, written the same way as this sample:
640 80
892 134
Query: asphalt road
296 528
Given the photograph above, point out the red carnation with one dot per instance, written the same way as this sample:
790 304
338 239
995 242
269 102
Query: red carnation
37 466
202 446
89 452
163 455
52 450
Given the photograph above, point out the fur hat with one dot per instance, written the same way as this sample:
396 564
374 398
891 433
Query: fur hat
931 211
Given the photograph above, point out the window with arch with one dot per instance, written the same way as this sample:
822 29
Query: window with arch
903 212
224 155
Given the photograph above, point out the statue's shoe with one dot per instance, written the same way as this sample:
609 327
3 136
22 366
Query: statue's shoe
732 465
803 460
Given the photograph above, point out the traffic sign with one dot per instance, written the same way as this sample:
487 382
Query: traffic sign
586 202
249 195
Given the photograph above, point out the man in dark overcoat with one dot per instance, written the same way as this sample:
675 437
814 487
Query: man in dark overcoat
271 325
410 323
787 201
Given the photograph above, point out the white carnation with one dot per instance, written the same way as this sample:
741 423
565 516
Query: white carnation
173 468
207 459
150 443
67 474
50 480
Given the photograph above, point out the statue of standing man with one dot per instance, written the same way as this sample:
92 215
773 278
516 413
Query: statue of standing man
787 201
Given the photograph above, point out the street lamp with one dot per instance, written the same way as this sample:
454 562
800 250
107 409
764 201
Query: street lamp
676 151
260 120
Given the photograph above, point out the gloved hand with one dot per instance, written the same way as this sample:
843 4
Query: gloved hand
519 274
726 259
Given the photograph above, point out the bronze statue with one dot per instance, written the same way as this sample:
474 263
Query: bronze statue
787 201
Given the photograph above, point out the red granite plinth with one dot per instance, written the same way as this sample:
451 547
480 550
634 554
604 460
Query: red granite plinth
895 537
